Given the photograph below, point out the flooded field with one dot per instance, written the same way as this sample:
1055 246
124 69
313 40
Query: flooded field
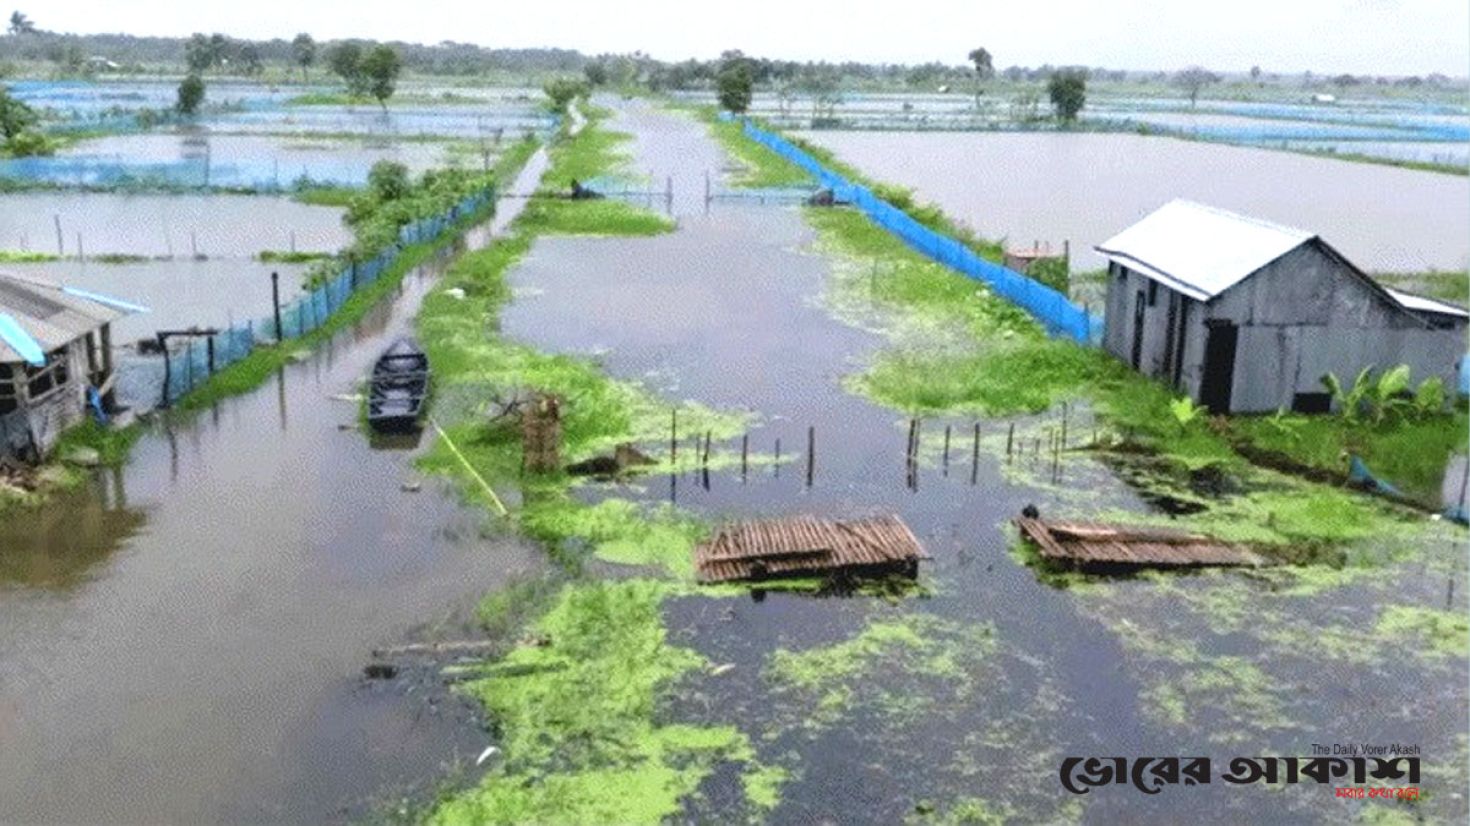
1086 187
969 695
215 226
201 159
184 638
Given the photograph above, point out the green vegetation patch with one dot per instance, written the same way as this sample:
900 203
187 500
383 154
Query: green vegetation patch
1446 633
829 682
291 256
576 716
760 167
26 257
333 196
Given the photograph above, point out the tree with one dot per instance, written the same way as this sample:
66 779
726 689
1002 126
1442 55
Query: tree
303 51
984 70
198 55
249 57
596 73
15 115
1256 73
388 180
1068 91
380 68
20 24
562 91
191 94
345 61
1193 79
735 84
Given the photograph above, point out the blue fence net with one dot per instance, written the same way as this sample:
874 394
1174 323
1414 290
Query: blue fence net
192 364
1055 312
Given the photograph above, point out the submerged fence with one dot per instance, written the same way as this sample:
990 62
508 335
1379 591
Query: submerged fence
191 365
1055 312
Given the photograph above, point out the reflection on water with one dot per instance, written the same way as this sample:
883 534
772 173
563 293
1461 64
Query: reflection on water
56 546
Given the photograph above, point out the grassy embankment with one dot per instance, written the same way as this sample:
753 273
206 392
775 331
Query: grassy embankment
957 349
575 711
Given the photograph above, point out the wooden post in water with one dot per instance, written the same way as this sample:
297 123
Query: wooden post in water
60 244
709 436
946 450
167 368
276 303
1065 411
673 436
811 453
1010 437
669 194
209 351
744 456
975 457
194 243
778 458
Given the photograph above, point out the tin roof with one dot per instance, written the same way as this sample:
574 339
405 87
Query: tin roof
1420 304
37 316
1199 250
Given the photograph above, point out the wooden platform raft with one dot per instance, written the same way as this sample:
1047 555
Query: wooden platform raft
809 546
1103 545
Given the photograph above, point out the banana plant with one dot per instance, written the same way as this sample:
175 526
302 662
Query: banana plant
1349 399
1185 411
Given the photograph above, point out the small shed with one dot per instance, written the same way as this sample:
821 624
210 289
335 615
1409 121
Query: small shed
1243 315
55 347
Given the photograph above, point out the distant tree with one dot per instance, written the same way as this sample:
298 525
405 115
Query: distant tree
561 91
198 56
191 94
1193 79
596 73
20 24
735 84
219 49
15 115
380 68
984 70
1068 91
1345 80
345 61
303 51
1256 74
249 57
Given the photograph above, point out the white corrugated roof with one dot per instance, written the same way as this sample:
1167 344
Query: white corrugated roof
1426 305
1199 250
47 315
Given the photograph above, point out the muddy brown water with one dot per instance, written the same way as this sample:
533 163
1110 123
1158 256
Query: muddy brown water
729 311
182 640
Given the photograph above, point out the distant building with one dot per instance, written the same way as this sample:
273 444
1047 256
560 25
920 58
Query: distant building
1244 315
55 344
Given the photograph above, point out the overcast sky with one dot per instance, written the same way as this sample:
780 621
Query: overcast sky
1324 36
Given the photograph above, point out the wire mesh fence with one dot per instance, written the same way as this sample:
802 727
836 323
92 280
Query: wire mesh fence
185 367
1055 312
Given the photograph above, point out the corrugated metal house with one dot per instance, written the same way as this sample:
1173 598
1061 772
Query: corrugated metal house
55 343
1245 315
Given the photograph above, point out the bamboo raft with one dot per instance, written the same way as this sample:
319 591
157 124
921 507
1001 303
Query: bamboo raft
1099 544
806 546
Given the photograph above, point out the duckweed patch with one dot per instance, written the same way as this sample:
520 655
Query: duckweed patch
576 716
831 681
1445 633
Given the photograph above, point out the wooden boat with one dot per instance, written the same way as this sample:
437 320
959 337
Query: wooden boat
398 388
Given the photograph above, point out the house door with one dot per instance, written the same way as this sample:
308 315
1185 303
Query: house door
1138 305
1219 375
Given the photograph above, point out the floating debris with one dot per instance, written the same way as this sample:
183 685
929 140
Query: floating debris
1102 545
806 546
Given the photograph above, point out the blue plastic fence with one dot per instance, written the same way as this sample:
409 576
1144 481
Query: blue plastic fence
1057 314
192 366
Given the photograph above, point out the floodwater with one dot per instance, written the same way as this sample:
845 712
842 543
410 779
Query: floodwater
180 293
1084 188
733 310
182 641
214 225
198 158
